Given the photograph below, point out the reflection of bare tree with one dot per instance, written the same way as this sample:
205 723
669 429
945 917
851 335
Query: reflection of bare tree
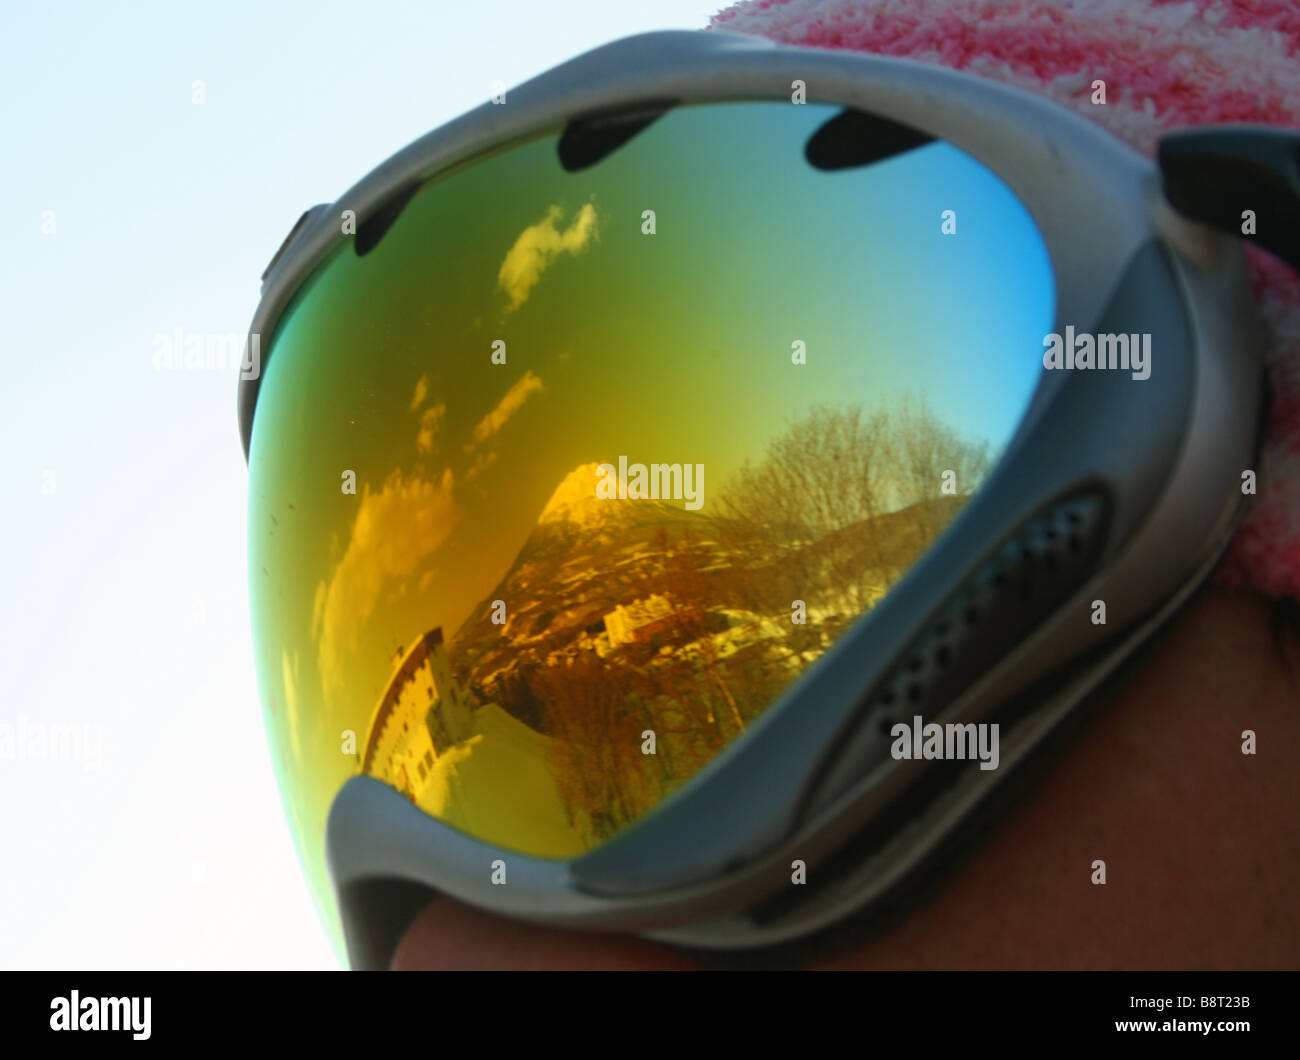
842 505
599 769
727 690
925 450
786 518
689 594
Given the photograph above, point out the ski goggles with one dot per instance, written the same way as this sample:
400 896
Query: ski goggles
689 492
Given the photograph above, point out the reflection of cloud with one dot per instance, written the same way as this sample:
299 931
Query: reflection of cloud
510 404
291 703
421 392
395 530
429 426
481 462
537 246
318 606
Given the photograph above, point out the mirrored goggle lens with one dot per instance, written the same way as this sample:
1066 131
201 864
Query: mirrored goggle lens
604 439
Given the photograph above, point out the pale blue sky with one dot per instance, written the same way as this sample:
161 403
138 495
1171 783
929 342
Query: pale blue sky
124 589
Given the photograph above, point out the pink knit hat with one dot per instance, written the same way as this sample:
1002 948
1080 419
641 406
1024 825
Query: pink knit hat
1166 65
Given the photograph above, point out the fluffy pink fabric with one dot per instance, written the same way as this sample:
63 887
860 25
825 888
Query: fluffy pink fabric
1166 64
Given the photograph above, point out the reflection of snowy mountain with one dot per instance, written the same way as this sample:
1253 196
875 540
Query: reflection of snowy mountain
603 577
575 505
575 500
584 558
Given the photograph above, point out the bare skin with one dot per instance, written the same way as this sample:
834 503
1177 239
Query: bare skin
1201 842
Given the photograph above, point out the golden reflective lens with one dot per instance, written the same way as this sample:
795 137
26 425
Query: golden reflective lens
558 486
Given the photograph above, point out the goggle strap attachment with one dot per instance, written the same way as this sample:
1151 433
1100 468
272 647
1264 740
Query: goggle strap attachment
1214 175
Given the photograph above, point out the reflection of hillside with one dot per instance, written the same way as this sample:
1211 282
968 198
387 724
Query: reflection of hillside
580 563
628 616
844 572
422 712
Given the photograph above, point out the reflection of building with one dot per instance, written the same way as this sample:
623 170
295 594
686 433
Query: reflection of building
476 768
637 622
422 713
